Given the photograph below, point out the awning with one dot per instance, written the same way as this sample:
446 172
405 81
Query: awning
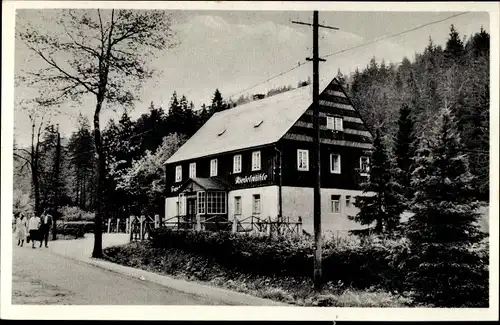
203 184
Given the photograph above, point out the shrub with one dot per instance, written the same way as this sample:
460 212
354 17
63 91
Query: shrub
352 261
73 213
76 230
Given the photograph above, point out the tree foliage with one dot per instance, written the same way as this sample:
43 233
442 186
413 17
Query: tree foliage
144 180
381 202
101 53
456 76
444 270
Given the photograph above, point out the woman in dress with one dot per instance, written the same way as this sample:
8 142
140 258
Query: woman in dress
21 224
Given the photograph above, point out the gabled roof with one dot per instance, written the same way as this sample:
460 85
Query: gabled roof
254 124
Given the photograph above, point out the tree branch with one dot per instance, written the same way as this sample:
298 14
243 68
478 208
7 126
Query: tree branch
56 66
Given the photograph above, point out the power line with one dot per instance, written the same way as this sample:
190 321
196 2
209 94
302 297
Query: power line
397 34
352 48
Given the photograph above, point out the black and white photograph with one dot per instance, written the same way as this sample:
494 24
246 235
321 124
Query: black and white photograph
249 160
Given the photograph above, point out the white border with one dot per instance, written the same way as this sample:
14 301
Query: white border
237 313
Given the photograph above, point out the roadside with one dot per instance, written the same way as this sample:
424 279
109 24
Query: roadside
79 250
42 277
282 289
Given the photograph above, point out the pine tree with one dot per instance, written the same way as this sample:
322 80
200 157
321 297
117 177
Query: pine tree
444 272
218 103
381 202
404 149
454 50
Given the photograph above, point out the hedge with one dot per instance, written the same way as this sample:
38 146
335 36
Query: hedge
355 263
75 228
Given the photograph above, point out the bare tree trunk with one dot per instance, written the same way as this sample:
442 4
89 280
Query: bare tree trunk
34 171
97 252
84 196
57 168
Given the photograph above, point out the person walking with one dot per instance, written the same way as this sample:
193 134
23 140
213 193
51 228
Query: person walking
46 222
21 224
33 226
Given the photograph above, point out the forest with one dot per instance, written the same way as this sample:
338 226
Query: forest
398 103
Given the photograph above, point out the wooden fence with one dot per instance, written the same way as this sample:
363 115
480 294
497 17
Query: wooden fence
253 224
139 227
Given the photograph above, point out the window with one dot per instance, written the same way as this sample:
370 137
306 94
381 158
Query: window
178 173
237 205
339 124
334 123
335 163
364 165
255 160
330 122
213 167
236 164
335 203
302 159
192 170
216 203
201 202
256 204
348 201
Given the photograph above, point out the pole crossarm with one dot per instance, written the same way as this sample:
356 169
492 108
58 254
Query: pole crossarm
319 25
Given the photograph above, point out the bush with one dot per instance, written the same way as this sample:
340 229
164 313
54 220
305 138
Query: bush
73 213
76 230
449 275
354 262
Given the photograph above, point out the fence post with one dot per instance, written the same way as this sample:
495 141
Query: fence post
131 222
198 222
299 226
142 227
269 230
118 225
157 221
109 225
235 225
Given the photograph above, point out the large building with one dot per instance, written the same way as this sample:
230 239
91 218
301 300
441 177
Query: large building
256 159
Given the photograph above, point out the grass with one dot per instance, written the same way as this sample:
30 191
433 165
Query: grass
291 290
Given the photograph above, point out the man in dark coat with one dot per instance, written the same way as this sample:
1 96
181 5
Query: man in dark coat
46 222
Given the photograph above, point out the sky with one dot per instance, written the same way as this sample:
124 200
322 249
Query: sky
234 50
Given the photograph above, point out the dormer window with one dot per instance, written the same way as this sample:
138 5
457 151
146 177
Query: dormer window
256 125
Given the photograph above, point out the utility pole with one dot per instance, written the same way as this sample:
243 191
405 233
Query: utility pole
318 242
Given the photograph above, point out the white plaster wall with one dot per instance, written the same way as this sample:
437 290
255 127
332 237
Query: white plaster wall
268 201
298 201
